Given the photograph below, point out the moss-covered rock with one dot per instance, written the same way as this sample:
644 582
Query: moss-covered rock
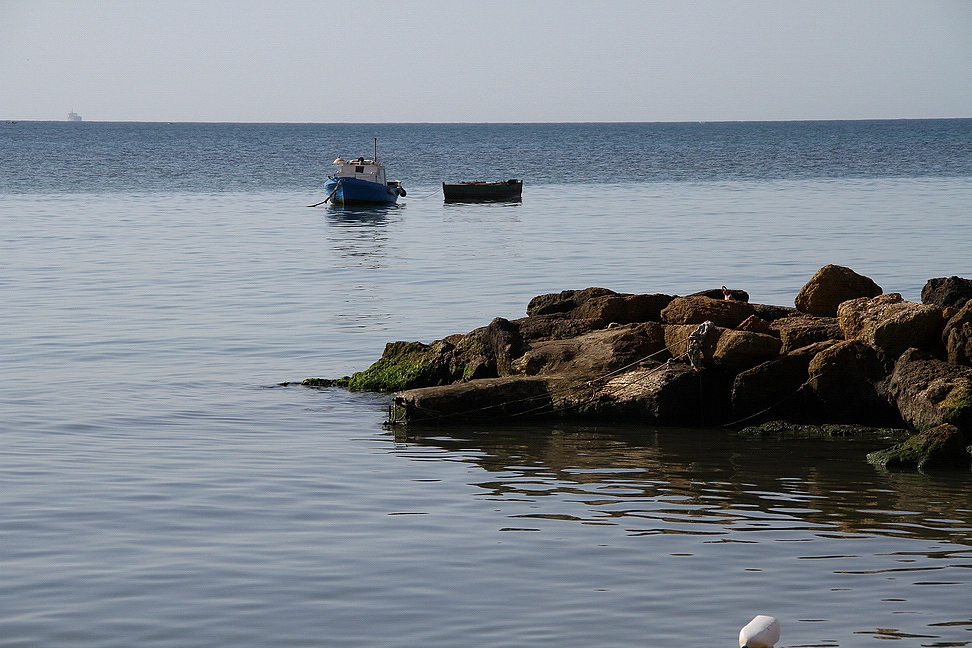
786 429
325 382
944 446
929 392
403 365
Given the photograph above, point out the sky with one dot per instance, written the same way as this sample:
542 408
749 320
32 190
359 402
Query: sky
484 61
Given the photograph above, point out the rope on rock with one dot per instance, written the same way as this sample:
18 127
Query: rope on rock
776 404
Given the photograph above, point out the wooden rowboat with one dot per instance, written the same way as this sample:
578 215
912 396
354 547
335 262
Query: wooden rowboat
510 190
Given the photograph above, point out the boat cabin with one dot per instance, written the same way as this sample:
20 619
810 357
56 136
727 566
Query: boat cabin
367 170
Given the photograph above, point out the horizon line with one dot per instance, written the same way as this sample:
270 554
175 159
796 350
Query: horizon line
446 123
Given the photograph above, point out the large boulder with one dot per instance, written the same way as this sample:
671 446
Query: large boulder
947 291
594 354
777 382
486 352
890 324
846 377
663 394
929 392
798 332
622 309
489 399
727 313
554 326
722 346
405 365
744 349
830 286
667 394
563 302
957 336
944 446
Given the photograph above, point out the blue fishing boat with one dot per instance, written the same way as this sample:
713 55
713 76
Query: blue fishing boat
362 182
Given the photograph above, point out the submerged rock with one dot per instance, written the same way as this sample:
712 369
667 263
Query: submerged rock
944 446
787 429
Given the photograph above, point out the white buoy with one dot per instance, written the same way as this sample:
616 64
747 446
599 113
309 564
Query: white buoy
761 632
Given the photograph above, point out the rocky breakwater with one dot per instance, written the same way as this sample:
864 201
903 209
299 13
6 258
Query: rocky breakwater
847 353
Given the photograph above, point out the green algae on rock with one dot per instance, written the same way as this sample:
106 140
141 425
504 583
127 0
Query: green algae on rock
787 429
403 365
944 446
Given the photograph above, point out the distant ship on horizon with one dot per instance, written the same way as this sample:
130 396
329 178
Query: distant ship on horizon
73 116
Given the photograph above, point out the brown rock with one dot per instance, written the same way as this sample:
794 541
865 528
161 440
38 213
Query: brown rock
622 309
719 293
776 382
755 324
845 376
891 324
486 352
724 347
830 286
555 326
947 291
666 395
695 310
772 313
929 392
957 336
594 354
488 399
563 302
677 338
744 349
798 332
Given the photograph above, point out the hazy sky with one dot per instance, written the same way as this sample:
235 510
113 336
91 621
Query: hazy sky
485 60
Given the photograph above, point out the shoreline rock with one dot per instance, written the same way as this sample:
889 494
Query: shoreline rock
848 353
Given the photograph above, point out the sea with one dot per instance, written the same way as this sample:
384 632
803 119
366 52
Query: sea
166 482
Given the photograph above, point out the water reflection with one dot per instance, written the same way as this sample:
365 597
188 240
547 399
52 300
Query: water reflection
844 552
358 233
361 214
710 482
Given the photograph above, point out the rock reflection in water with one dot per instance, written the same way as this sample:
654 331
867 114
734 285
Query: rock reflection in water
847 550
713 481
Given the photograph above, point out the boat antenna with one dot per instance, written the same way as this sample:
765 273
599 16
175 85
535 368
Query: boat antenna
376 150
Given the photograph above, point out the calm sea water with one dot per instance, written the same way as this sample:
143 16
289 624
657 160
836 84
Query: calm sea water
159 488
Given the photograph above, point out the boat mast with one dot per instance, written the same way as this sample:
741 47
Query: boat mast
376 150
